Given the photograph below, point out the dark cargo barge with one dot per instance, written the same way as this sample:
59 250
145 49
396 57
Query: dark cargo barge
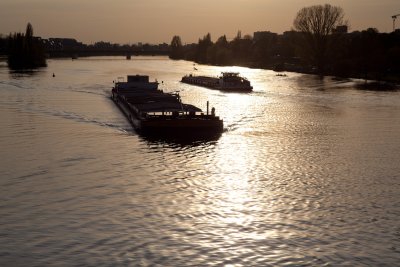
228 81
152 111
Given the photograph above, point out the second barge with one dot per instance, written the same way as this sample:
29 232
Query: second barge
228 81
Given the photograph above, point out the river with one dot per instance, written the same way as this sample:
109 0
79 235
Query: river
306 172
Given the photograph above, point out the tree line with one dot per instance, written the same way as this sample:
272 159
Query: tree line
318 44
25 51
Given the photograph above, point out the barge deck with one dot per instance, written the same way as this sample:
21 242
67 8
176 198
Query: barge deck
150 110
228 81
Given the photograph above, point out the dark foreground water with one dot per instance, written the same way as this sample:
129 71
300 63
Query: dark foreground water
307 173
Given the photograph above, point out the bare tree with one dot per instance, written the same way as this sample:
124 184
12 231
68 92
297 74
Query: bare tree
317 23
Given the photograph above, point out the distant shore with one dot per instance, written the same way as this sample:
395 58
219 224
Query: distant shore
369 83
392 83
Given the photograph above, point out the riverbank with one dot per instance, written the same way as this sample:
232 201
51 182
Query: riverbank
389 82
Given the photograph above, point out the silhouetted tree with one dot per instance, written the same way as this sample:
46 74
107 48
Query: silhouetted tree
3 44
222 42
222 54
29 31
176 48
317 23
203 47
238 35
25 51
392 46
241 48
264 50
339 56
367 54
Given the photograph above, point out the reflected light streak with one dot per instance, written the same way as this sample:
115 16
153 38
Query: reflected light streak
232 192
234 196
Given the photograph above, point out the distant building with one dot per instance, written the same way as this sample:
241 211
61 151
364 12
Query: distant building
263 35
287 34
341 29
62 43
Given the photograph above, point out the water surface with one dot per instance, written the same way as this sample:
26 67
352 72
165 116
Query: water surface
306 172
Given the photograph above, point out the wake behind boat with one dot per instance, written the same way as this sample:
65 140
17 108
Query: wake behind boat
152 111
228 81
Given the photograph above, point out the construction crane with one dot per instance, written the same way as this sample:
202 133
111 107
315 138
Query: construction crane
394 17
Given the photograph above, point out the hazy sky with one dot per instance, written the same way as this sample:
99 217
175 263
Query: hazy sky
157 21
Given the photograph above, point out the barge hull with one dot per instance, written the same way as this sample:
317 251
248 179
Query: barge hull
151 111
238 85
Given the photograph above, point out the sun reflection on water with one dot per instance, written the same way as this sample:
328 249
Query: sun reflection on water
232 189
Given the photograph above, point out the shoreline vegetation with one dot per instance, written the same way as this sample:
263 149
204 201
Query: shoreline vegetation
325 49
368 55
25 51
319 44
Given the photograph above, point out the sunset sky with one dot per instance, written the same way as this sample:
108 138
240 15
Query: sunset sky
157 21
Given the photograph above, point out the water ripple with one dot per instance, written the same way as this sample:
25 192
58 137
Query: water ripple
305 173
